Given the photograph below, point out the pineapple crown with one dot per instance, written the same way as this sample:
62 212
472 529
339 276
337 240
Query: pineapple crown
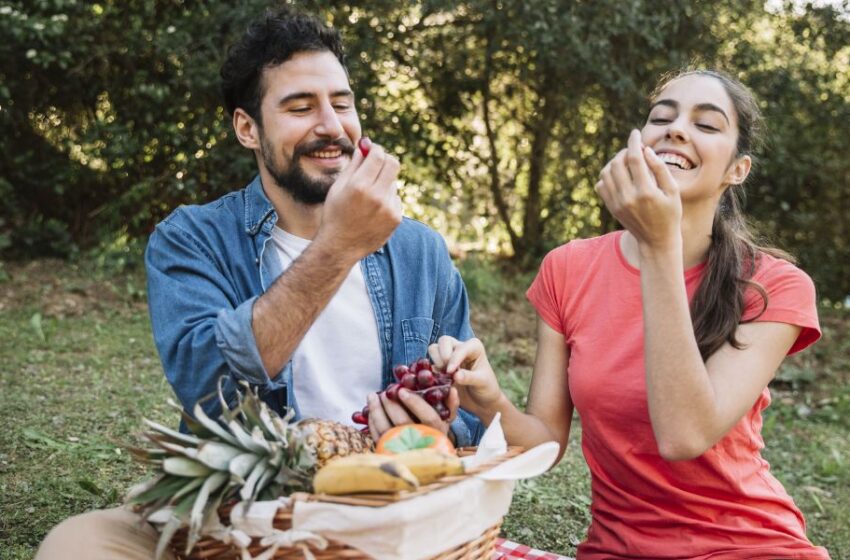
251 453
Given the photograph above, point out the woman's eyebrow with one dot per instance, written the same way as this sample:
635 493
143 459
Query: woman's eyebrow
667 102
712 107
700 107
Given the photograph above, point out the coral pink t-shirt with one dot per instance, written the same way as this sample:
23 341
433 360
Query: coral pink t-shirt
723 504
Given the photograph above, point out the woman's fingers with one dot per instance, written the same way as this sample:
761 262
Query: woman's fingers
442 350
622 179
659 169
637 164
465 354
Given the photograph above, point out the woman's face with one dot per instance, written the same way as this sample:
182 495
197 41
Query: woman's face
693 126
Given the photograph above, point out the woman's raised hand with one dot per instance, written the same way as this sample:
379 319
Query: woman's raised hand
474 379
640 192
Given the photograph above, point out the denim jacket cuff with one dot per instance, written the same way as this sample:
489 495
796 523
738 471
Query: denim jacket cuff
234 336
467 429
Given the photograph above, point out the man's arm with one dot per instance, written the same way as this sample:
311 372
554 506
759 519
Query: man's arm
360 213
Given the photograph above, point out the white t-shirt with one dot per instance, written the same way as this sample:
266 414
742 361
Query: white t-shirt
338 362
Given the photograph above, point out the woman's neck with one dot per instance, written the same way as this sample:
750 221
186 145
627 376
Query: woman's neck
696 237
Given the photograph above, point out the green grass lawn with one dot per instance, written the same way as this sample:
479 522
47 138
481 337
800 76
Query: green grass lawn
79 372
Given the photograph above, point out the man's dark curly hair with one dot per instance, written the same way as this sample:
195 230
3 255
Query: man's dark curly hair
267 42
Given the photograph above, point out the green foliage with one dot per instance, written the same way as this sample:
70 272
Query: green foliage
502 112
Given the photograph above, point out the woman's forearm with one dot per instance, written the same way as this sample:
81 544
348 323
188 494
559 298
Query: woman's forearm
681 400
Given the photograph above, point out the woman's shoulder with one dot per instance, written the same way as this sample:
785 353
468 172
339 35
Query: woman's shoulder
772 271
579 251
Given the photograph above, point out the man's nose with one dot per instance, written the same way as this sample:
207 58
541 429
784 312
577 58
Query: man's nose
329 125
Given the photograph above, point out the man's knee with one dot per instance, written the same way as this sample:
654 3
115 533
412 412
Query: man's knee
101 535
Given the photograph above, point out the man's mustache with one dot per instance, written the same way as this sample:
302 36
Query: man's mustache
342 144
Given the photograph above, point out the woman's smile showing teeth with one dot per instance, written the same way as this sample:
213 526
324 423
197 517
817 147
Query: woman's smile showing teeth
675 160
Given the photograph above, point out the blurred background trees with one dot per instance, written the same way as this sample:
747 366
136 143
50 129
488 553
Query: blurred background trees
503 113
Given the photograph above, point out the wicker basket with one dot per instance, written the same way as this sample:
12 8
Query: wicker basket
482 547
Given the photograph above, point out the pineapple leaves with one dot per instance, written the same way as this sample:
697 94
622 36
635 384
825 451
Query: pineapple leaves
249 453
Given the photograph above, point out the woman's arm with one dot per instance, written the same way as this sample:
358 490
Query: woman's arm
692 404
549 411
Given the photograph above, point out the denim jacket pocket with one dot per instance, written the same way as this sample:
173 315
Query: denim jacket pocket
418 333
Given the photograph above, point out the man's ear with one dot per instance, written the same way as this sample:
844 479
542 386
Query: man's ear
738 171
247 130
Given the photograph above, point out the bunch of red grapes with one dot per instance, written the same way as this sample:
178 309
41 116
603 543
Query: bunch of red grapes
421 378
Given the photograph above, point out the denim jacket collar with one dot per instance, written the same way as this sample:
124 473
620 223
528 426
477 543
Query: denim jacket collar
259 209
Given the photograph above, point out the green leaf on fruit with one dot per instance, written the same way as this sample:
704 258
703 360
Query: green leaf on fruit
409 439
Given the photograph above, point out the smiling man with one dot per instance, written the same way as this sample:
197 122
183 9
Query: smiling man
308 283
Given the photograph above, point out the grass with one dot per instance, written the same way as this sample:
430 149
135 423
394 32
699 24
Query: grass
80 372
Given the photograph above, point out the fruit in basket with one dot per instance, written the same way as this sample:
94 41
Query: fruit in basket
250 454
331 439
366 472
428 464
414 436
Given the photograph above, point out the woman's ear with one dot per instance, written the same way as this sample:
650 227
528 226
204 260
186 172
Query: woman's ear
738 171
247 130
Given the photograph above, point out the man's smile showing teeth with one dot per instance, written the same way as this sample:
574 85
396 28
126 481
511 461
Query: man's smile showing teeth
675 160
327 154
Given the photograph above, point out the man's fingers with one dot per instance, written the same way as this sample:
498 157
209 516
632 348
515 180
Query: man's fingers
396 413
378 421
371 168
424 412
452 403
386 180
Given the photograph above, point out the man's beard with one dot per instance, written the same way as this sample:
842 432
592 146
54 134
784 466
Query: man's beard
294 179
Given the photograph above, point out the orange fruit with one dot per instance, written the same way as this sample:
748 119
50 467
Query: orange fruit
414 436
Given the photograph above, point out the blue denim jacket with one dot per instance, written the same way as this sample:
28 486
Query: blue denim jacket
206 265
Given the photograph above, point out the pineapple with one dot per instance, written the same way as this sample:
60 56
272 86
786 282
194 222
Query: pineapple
251 454
332 439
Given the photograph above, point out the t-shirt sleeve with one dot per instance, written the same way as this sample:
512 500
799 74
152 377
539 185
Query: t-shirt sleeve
547 290
791 299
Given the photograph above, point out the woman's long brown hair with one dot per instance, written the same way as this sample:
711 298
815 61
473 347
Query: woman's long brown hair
717 307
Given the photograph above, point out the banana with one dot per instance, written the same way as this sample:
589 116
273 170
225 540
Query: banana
363 472
428 465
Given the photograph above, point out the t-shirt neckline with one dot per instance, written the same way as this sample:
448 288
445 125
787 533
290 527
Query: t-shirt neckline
690 273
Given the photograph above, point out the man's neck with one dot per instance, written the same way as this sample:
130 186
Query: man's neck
299 219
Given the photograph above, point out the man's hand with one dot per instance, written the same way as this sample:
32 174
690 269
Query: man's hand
411 409
362 208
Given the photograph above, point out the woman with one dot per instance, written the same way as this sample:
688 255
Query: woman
664 338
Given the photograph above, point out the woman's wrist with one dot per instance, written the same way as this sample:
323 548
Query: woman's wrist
660 251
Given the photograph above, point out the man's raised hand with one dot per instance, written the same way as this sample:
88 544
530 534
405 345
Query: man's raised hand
362 208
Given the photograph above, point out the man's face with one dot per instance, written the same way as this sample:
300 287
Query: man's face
309 124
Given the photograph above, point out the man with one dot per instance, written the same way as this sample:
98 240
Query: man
308 283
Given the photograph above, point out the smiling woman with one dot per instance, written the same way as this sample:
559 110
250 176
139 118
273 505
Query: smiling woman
664 337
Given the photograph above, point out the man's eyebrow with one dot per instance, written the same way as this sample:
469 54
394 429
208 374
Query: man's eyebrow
701 107
300 95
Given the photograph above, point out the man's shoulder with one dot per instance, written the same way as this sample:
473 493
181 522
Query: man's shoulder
224 212
413 233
